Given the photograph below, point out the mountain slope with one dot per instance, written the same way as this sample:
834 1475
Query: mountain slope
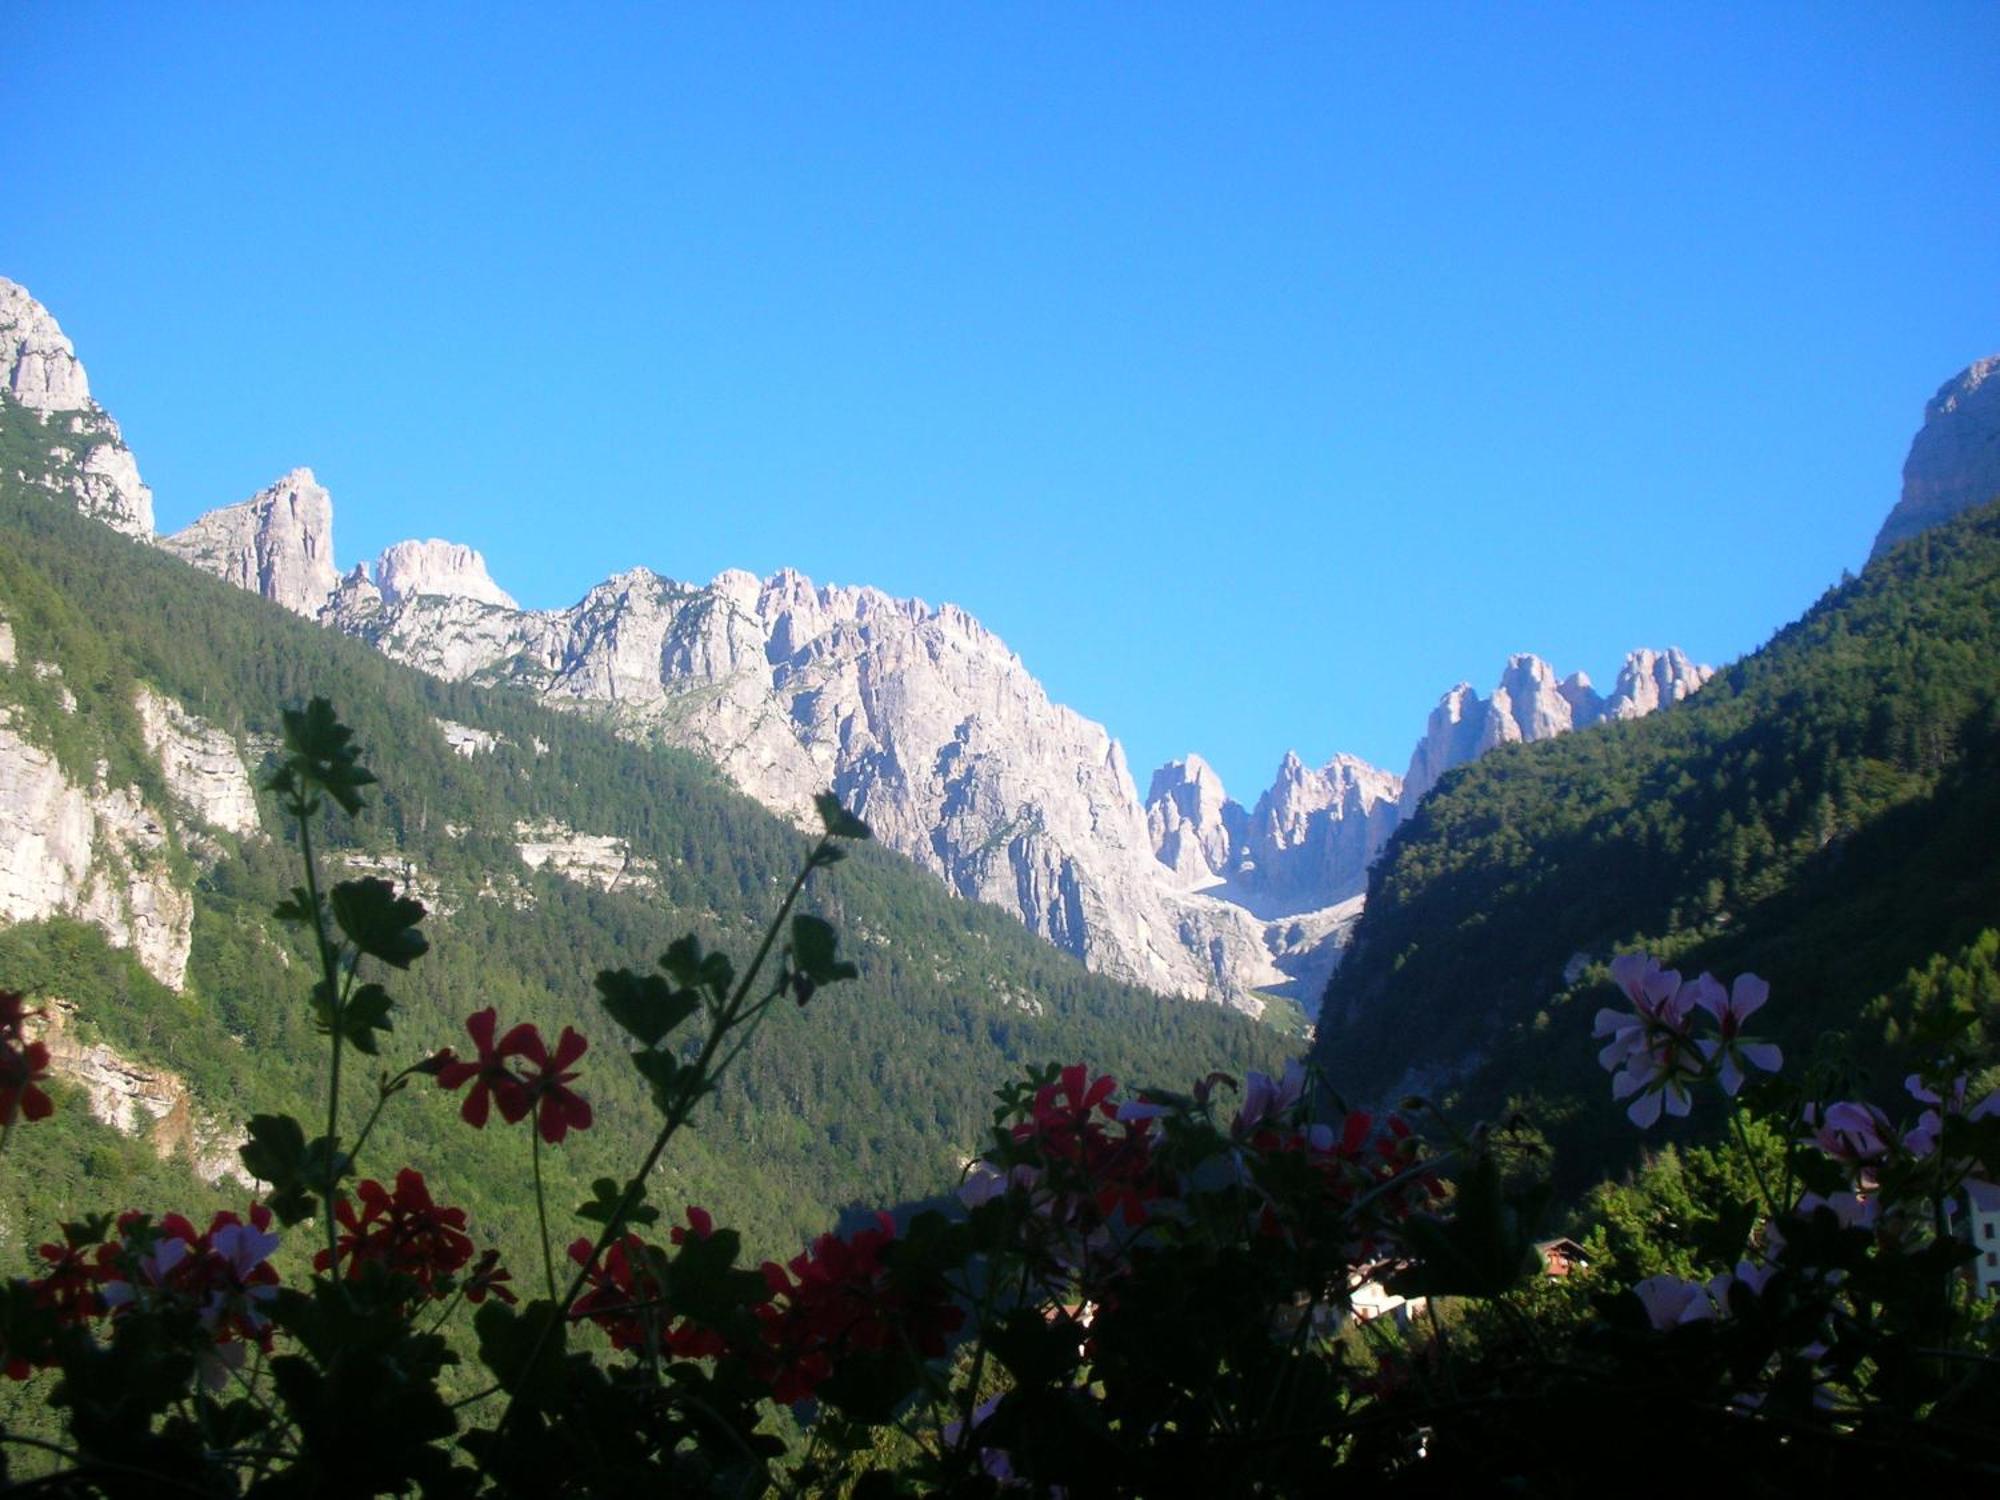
1821 812
500 815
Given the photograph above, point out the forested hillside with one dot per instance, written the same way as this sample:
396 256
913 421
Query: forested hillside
874 1093
1822 813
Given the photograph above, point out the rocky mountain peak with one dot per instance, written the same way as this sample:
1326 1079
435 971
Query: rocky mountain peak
446 569
1954 460
278 543
1652 680
42 377
38 364
1530 703
1194 826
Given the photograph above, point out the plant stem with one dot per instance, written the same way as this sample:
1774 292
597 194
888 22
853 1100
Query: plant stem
677 1115
329 965
542 1208
1756 1167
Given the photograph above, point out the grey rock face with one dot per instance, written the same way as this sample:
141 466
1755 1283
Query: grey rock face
1313 835
919 718
434 567
203 770
1530 704
94 853
1954 460
1197 830
1652 680
278 543
43 382
38 364
140 1099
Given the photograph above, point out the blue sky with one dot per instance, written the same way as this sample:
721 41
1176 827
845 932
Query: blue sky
1256 372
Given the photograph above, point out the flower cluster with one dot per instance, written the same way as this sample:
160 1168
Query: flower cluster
23 1064
627 1296
844 1297
541 1088
219 1280
1654 1051
404 1232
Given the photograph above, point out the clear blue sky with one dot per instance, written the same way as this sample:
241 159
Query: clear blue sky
1256 372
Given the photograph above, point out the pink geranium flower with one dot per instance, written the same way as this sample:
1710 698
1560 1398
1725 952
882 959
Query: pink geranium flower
1651 1053
1731 1049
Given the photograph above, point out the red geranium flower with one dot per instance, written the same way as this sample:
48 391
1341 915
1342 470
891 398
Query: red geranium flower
404 1231
558 1110
485 1278
492 1080
23 1065
841 1298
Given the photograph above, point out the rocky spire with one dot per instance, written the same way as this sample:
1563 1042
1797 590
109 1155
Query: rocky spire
1954 460
278 543
43 380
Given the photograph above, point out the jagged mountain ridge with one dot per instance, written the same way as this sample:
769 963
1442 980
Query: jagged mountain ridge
1310 838
919 717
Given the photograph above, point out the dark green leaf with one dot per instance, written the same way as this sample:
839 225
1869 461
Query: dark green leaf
275 1153
645 1004
607 1195
296 908
838 821
378 921
320 753
365 1013
508 1341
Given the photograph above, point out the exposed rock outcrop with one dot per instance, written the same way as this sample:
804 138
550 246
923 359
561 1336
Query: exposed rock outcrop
587 858
42 381
1954 460
96 853
1531 703
408 569
138 1099
38 364
1313 835
278 543
465 741
1197 830
201 765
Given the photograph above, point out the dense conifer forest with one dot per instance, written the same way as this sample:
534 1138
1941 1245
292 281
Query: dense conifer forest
1822 813
872 1095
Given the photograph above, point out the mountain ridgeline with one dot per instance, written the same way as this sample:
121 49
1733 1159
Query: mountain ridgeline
1821 813
137 698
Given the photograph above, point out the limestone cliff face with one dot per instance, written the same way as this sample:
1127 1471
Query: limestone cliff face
136 1098
919 718
204 770
1196 828
278 543
91 851
1531 703
1954 460
43 382
411 568
1313 835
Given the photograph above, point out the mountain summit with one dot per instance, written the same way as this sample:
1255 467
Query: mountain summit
920 719
39 371
1954 461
